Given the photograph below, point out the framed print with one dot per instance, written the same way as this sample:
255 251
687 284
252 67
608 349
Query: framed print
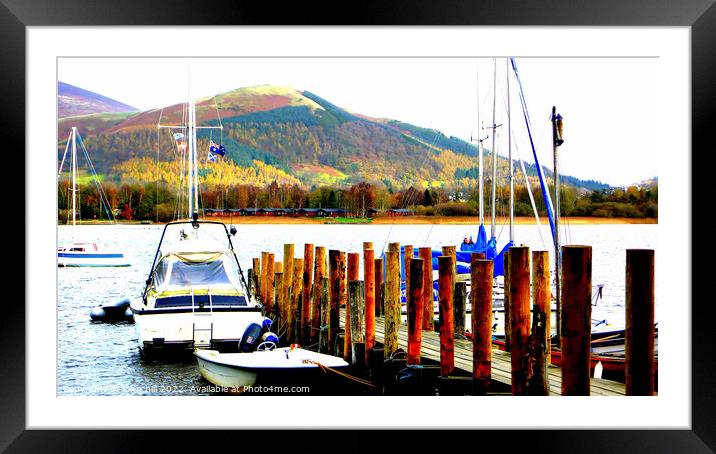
231 84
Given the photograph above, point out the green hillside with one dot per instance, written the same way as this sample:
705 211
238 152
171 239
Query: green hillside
288 132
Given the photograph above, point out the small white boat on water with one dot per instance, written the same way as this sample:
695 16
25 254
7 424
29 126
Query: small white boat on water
88 254
84 253
239 370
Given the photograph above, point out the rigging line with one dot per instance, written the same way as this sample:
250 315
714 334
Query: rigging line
102 196
156 181
67 147
525 113
532 200
527 183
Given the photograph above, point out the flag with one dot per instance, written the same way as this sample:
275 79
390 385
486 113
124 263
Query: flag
211 157
216 148
179 138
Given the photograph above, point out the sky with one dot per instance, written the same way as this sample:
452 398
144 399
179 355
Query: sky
610 106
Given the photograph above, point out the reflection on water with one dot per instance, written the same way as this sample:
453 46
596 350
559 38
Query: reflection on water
102 359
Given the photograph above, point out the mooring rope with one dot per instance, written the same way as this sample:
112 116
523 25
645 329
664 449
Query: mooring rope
325 368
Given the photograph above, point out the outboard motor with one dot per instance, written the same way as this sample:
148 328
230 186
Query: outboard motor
251 338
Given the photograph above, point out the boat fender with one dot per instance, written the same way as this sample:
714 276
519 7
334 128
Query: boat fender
266 323
251 338
97 314
269 337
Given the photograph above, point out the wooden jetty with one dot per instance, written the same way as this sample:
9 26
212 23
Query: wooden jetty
333 314
501 366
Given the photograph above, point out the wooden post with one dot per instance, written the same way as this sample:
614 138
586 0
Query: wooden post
306 299
379 288
639 372
452 252
538 378
426 254
445 290
459 308
576 319
481 274
268 302
519 291
506 297
319 271
392 302
324 311
367 245
407 257
415 309
334 300
369 279
343 298
275 297
357 305
279 307
264 274
287 272
296 294
353 266
256 277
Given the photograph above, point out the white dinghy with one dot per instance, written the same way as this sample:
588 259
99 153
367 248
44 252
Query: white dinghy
239 370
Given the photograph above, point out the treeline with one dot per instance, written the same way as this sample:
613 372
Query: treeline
162 201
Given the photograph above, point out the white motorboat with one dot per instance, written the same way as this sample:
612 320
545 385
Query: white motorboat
196 295
85 253
239 370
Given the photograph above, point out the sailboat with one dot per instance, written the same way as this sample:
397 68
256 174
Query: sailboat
84 253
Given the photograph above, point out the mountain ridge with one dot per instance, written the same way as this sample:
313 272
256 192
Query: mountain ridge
297 132
75 101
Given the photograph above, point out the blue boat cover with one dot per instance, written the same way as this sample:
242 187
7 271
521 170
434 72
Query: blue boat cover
463 255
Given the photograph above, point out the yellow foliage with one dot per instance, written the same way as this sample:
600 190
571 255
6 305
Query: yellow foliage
222 172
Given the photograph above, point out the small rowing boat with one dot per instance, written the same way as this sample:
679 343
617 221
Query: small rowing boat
240 370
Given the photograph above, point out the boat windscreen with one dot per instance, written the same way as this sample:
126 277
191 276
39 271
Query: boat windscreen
187 274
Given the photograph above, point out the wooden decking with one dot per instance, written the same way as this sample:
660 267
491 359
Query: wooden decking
501 369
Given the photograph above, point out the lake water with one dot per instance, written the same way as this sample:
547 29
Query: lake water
102 359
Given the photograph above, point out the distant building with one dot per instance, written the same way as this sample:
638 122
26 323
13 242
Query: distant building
400 212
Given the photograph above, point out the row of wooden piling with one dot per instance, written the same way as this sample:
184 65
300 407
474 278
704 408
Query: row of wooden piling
306 302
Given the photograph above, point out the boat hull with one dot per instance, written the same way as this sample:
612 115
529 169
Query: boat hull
77 259
179 332
225 376
281 366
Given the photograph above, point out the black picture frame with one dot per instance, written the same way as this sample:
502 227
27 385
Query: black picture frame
16 15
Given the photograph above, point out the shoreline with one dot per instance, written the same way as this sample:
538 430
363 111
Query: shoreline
397 220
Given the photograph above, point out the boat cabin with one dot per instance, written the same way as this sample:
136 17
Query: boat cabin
196 280
78 247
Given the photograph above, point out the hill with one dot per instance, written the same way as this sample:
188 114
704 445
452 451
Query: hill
72 101
271 131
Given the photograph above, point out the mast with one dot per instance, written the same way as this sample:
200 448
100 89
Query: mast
494 154
194 178
556 142
191 142
74 174
509 153
479 153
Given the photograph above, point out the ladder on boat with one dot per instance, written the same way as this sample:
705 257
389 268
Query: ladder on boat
202 332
